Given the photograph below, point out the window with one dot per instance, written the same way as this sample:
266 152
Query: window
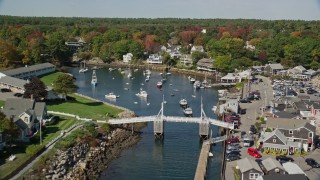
310 134
26 119
253 175
290 132
274 140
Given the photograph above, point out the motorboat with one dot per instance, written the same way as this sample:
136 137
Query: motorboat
159 84
210 154
135 70
83 69
142 93
147 72
194 96
192 80
197 84
214 108
111 69
147 78
183 102
111 96
187 111
129 75
94 79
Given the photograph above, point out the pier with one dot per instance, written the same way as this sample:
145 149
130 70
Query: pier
201 170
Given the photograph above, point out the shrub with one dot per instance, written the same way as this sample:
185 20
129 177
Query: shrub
34 149
268 130
284 152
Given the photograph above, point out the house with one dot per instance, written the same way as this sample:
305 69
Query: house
205 64
273 69
12 83
154 59
249 47
197 48
230 105
283 177
272 166
229 78
28 72
127 57
75 45
314 107
249 169
300 73
292 168
26 114
299 133
186 59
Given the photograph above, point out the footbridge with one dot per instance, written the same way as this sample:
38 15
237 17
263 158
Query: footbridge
158 120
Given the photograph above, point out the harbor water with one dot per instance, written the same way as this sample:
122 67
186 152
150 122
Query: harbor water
177 155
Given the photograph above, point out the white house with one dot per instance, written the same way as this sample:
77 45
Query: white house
154 59
197 48
127 57
186 59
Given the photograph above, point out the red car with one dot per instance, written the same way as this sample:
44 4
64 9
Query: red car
233 140
253 152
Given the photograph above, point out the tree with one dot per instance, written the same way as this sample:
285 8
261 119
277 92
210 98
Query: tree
223 63
196 56
64 84
8 128
58 50
315 65
35 88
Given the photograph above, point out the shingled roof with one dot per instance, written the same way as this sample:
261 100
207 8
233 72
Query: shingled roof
13 72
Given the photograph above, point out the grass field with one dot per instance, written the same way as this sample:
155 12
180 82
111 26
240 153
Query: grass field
84 107
49 133
2 103
49 78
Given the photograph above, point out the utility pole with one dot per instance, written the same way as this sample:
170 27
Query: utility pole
40 130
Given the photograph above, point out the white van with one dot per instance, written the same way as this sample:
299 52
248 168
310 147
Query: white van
248 141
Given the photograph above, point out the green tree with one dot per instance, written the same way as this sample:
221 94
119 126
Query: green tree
315 65
196 56
136 48
8 128
58 50
35 88
223 63
64 84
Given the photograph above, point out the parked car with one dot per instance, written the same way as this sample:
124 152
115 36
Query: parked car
18 94
313 163
5 90
254 153
245 100
233 140
233 151
232 148
301 91
283 158
243 134
232 157
237 145
253 129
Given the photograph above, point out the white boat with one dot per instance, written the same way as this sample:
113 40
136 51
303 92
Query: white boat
214 108
12 157
168 73
111 96
194 96
129 75
111 69
142 93
83 68
135 70
197 84
192 80
147 72
210 154
159 84
187 111
94 79
183 102
147 78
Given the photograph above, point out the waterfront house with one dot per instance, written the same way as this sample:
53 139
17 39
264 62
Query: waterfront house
231 105
154 59
205 64
283 177
249 169
186 59
127 57
272 166
28 72
197 48
273 69
299 133
75 45
229 78
26 114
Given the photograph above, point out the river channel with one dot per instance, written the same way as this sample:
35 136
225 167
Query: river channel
174 158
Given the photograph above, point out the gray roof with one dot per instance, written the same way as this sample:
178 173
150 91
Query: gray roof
270 164
205 62
39 107
301 68
19 83
277 133
285 114
13 72
275 66
246 164
285 123
21 124
16 106
283 177
301 106
292 168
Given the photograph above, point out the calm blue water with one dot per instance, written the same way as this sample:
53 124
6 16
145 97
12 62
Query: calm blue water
177 156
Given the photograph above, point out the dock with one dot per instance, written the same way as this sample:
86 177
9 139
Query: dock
202 162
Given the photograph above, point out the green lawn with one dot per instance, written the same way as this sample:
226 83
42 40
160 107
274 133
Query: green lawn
49 133
2 103
84 107
49 78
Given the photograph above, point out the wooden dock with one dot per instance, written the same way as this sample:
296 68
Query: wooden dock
202 162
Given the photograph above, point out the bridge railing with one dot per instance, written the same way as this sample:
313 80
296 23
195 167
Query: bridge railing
132 120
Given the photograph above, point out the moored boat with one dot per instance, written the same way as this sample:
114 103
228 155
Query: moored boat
197 84
94 79
111 96
183 102
142 93
187 111
159 84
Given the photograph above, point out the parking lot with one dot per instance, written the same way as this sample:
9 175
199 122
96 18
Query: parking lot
254 109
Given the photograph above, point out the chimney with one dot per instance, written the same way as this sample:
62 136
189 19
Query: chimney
31 97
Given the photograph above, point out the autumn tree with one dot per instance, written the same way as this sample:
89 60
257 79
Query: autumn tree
64 84
36 89
150 43
8 54
187 37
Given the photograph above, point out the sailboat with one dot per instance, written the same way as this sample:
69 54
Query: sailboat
94 79
84 68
